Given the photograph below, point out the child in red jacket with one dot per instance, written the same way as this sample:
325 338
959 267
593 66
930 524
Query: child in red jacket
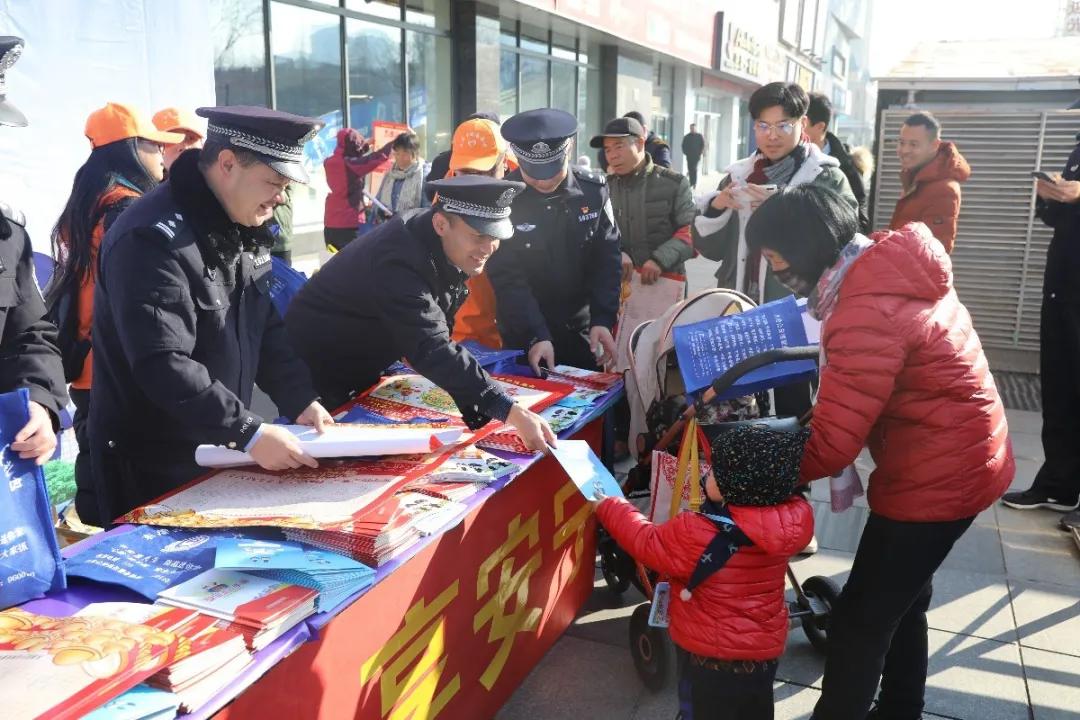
726 565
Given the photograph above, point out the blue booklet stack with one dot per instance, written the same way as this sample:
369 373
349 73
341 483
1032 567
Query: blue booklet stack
335 577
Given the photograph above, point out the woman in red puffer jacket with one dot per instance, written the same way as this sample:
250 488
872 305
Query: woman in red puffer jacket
726 565
903 372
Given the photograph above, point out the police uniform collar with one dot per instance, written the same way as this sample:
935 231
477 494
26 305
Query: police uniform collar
202 208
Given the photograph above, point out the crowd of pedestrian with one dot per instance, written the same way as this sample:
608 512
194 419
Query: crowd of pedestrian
159 315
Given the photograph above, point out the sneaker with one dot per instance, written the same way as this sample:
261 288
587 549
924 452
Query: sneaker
1032 499
1070 521
811 547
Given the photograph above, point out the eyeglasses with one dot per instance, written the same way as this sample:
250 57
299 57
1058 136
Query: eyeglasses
784 127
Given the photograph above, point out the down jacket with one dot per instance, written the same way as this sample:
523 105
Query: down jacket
932 194
905 374
739 612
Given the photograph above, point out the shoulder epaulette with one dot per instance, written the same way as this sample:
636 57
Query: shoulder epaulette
13 214
590 175
169 226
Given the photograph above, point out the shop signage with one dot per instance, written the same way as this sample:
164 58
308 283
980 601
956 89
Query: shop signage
745 55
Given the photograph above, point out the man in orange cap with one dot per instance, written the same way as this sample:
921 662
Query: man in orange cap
478 149
177 120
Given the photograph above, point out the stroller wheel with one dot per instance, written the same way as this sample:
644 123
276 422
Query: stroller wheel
650 649
616 569
822 593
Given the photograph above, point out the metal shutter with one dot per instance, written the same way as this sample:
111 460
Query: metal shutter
1000 250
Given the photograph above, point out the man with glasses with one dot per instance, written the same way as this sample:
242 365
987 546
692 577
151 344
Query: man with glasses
785 156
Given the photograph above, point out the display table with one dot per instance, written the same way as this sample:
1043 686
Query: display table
449 629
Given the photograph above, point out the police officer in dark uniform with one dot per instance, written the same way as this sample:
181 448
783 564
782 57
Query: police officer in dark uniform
184 325
394 292
29 357
557 279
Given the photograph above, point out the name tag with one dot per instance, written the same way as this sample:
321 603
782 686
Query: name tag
261 260
586 217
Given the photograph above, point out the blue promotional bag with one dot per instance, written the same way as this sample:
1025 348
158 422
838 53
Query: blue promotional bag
30 563
285 282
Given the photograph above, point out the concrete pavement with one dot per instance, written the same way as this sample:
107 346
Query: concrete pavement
1004 625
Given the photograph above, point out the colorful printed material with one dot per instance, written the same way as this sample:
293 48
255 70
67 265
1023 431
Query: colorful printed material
345 440
62 668
241 598
585 469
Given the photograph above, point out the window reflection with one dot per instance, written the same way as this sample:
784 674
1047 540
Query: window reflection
534 83
375 82
239 52
508 84
428 63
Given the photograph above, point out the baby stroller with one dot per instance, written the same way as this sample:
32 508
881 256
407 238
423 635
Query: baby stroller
670 415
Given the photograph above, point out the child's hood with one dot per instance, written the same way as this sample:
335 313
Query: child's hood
782 529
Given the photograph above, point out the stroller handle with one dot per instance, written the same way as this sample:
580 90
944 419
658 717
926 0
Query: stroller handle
739 369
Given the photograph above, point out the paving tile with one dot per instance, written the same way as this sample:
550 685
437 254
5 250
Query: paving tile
565 685
1027 446
970 603
1024 421
1036 550
606 625
662 704
1053 682
794 702
1025 473
975 678
978 550
1047 616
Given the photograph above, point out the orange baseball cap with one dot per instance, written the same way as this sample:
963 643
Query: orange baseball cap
119 122
177 120
477 145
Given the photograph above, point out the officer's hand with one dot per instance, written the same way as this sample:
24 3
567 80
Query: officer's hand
542 351
627 267
533 429
278 449
36 441
650 272
600 337
315 416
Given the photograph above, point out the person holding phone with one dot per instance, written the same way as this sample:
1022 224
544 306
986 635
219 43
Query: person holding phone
785 156
1057 484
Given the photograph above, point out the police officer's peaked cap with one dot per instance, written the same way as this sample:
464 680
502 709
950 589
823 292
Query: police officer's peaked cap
11 48
540 139
277 138
481 201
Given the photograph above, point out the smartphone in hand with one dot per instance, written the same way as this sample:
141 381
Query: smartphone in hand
1040 175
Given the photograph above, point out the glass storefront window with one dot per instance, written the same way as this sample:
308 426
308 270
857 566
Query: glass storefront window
534 83
428 65
564 87
508 84
239 52
535 40
375 91
429 13
307 73
389 9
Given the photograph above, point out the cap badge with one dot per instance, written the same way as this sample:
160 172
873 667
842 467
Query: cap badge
506 198
541 147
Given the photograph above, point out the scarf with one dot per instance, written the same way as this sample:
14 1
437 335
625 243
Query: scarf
779 173
847 485
822 300
411 195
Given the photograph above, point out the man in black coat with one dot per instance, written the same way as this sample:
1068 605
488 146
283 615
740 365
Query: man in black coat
693 147
394 292
184 325
29 357
557 280
1057 484
818 116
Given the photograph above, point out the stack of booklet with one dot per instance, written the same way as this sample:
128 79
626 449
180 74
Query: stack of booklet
208 657
260 609
386 530
335 577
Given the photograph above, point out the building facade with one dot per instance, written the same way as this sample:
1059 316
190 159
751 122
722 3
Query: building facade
429 63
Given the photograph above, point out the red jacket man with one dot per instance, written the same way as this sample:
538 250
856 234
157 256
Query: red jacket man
931 173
